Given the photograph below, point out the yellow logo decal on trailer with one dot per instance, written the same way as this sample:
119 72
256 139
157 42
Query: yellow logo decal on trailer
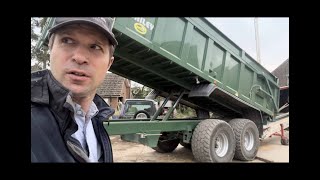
140 28
142 25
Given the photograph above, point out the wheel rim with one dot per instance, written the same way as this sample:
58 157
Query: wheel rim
141 116
248 140
221 145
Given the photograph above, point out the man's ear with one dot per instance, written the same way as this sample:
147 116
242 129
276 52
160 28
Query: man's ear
110 62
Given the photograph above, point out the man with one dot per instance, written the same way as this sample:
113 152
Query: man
66 113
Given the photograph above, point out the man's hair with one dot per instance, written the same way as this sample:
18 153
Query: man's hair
52 37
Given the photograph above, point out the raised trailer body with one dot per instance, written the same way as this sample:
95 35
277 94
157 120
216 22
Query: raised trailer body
187 53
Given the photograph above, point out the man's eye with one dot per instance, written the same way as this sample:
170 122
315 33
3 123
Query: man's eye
96 47
67 40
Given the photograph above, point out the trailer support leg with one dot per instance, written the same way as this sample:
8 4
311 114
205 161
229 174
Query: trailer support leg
161 107
173 107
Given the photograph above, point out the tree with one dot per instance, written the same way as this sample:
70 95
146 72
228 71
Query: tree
140 92
40 56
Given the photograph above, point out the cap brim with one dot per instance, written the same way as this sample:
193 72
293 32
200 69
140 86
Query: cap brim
73 21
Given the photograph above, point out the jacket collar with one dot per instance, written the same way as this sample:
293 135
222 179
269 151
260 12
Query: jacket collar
44 85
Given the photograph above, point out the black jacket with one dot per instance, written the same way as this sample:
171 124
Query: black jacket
52 123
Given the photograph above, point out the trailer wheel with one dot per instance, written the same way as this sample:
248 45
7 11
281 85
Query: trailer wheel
166 145
213 141
247 139
141 115
285 141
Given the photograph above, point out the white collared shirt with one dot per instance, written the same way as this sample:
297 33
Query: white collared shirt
85 133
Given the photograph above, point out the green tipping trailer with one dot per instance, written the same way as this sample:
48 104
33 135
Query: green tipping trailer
191 62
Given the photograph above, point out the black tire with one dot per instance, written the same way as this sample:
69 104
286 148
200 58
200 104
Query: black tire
186 145
164 145
285 141
141 112
213 141
247 139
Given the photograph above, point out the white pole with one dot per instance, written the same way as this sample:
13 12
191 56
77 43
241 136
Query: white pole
257 40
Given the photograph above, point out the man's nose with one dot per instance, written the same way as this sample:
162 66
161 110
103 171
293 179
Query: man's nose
81 55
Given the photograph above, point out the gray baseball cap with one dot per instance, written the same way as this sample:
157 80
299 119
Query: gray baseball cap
103 23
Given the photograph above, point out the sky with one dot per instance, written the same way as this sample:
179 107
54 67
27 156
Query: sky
273 37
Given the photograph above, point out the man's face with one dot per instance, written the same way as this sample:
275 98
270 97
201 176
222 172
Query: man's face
80 58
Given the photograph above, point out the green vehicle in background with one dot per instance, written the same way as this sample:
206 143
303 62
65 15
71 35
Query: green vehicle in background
142 109
138 109
189 61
